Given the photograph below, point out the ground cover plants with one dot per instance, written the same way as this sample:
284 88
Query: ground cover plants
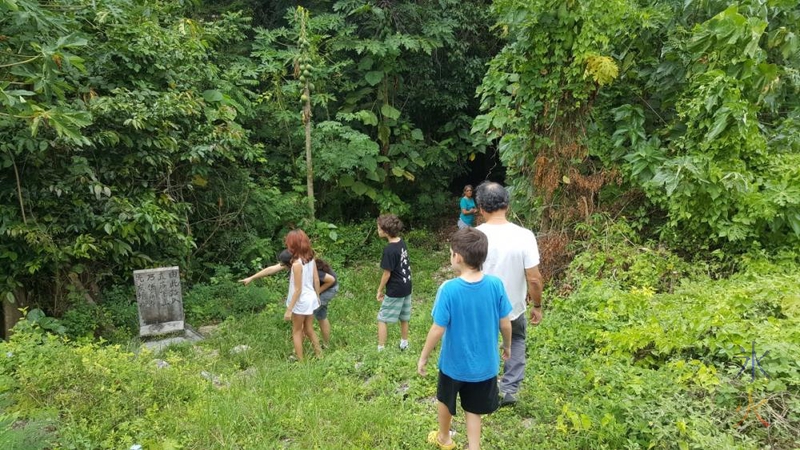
639 349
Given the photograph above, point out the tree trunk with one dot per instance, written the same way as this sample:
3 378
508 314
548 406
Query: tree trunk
309 169
11 313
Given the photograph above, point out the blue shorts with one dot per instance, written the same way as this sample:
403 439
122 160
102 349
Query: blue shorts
394 309
321 313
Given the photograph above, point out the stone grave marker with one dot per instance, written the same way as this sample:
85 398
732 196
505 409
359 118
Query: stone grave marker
160 302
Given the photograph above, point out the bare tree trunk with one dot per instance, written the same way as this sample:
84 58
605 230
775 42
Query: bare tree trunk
11 313
309 169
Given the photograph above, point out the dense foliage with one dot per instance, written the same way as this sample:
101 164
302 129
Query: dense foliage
136 134
696 103
143 133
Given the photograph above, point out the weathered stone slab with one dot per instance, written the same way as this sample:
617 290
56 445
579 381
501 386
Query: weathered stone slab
159 300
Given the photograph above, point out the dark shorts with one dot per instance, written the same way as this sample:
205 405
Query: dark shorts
321 313
481 397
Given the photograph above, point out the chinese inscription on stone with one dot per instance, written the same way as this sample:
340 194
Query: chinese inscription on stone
158 295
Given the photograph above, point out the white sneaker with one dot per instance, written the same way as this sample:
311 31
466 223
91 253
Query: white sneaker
403 345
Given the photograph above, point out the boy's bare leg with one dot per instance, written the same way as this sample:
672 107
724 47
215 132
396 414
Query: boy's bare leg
308 329
473 430
404 330
445 418
382 332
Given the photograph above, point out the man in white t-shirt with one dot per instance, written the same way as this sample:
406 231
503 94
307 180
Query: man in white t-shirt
514 258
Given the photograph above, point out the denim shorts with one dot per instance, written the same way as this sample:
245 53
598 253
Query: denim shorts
321 313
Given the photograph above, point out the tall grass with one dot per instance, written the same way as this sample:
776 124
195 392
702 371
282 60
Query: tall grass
611 366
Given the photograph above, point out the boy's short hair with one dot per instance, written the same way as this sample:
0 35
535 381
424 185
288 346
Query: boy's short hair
390 224
491 196
472 245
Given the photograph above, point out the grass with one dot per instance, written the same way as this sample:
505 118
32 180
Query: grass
594 378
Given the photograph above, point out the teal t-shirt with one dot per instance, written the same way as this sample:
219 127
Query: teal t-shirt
470 313
467 203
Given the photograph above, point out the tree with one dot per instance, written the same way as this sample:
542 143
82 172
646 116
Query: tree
302 70
125 112
539 95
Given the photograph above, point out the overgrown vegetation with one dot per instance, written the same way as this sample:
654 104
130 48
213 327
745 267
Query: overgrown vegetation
693 104
654 145
639 349
138 134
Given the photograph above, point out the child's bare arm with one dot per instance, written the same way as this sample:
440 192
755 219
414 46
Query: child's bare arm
384 280
434 336
316 282
326 282
271 270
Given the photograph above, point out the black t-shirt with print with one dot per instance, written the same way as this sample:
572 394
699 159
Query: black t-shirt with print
395 260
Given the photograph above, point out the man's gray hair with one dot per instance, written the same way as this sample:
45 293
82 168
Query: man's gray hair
491 196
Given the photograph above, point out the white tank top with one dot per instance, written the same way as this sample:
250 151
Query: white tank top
308 301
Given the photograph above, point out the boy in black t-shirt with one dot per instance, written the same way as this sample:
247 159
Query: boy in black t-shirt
396 279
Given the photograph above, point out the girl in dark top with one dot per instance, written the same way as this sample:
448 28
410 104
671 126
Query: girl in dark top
328 287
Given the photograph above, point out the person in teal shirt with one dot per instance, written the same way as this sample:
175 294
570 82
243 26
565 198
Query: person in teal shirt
468 209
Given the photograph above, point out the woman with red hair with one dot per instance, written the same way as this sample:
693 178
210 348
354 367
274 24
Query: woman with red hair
303 297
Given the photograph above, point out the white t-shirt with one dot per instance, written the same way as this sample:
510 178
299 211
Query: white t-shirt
512 249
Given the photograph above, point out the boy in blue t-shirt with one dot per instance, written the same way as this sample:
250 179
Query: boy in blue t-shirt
468 313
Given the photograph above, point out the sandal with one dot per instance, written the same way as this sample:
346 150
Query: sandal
433 438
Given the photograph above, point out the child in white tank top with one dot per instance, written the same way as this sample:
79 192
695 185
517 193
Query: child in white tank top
303 296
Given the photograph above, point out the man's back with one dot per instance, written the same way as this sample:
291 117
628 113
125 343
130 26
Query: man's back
512 249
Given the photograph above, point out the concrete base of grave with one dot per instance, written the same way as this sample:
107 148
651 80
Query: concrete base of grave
189 335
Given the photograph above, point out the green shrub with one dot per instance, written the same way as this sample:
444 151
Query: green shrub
108 398
424 239
342 245
206 303
114 319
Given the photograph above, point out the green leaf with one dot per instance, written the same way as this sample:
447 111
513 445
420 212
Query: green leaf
374 77
20 92
68 123
390 111
720 123
365 63
71 41
368 117
346 181
35 315
383 134
359 188
212 95
416 134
